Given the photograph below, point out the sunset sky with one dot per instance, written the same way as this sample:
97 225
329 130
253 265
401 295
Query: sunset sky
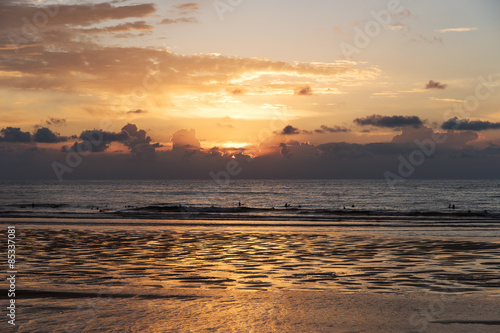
177 88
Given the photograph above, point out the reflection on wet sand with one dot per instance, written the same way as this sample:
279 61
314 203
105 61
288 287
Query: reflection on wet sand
249 260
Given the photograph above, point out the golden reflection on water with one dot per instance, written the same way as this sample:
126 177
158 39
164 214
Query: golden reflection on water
235 260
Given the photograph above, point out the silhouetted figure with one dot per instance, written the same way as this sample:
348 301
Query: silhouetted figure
453 207
32 205
353 206
239 204
344 207
286 205
449 206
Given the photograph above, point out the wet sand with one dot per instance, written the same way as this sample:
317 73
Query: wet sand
262 311
181 279
256 260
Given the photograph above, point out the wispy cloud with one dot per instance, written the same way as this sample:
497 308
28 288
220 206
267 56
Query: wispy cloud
124 27
188 6
179 20
435 85
448 100
463 29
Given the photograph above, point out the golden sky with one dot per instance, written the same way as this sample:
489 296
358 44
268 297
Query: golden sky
250 75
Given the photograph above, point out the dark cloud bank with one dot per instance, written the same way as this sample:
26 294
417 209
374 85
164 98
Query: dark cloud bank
21 158
468 125
389 121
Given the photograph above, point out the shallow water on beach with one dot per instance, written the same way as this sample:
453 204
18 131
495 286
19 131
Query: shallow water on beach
177 278
172 258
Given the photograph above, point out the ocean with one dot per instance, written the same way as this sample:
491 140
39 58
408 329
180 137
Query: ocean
245 199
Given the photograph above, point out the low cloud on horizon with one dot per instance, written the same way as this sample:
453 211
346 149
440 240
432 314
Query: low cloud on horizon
284 158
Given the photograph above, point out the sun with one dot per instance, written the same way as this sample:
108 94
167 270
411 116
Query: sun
231 144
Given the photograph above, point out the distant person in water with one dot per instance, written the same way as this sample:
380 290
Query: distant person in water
452 206
239 204
286 205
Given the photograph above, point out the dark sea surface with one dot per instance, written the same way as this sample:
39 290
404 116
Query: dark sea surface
306 200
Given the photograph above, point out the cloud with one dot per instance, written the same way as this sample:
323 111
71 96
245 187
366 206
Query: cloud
398 26
290 130
11 134
138 111
236 91
45 135
303 160
56 121
419 38
185 139
179 20
124 27
435 85
447 100
138 142
118 70
97 146
191 6
284 150
134 139
457 29
64 55
389 121
303 91
72 15
452 139
335 129
469 125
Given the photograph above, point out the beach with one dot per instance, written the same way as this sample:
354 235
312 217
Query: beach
114 275
262 311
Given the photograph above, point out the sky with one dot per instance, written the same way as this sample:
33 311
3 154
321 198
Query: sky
254 89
